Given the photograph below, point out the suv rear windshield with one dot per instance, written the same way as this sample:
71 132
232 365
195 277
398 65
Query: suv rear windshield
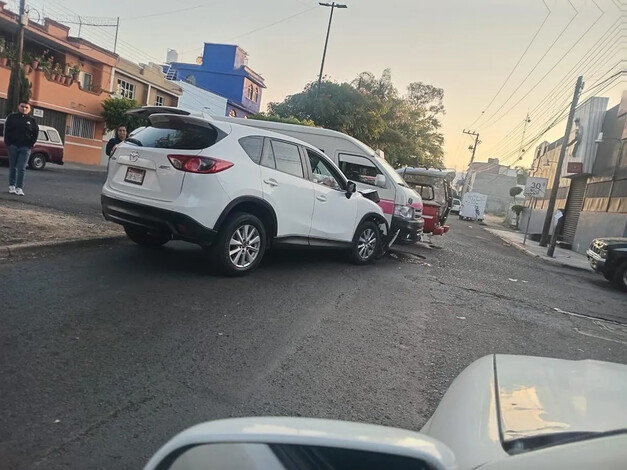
173 135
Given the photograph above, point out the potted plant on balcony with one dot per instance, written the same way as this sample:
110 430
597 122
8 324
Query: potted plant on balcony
57 73
27 59
39 60
4 57
73 72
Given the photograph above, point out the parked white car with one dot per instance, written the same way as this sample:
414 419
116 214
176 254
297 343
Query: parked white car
501 413
237 190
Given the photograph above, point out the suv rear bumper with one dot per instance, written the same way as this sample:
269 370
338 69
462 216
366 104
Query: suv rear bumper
179 226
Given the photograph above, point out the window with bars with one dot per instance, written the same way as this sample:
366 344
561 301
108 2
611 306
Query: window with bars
250 92
86 80
159 100
82 127
126 89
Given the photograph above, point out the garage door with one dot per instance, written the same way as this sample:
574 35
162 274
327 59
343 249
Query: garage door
574 203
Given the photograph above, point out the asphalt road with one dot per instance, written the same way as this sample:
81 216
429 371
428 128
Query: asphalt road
105 353
74 191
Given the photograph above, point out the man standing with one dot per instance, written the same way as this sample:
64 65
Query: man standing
20 134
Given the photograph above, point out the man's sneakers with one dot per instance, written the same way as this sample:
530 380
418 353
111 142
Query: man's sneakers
19 191
11 189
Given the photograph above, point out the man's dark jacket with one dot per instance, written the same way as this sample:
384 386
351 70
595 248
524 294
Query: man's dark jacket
20 130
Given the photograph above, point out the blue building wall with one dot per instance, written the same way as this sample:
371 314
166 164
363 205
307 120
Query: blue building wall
223 71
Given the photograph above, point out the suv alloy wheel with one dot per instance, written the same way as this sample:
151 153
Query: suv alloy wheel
240 245
366 243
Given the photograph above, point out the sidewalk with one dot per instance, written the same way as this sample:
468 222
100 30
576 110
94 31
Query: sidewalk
83 167
29 228
567 258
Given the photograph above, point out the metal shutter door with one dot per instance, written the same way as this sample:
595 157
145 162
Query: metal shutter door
573 208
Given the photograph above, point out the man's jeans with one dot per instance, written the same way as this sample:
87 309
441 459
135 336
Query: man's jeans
18 159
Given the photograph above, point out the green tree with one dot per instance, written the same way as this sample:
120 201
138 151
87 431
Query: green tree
277 118
370 108
114 114
25 92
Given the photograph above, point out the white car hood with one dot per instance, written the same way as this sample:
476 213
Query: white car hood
536 396
542 396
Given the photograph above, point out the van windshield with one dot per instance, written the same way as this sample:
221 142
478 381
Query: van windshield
391 171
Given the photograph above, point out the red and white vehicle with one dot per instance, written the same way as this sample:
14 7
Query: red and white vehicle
48 148
434 186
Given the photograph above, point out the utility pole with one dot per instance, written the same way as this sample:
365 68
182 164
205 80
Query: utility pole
15 70
326 42
558 173
472 157
522 140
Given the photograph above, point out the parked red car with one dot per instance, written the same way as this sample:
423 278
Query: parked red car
48 148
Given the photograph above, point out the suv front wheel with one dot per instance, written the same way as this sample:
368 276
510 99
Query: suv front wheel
366 243
240 245
620 276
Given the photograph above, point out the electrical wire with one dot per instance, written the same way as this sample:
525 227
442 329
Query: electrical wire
550 70
516 65
565 92
559 36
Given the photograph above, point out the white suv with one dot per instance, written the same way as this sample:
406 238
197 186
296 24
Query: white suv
237 190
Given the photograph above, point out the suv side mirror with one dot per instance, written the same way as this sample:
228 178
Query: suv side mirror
379 181
350 189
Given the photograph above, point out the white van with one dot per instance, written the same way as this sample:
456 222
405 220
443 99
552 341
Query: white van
401 205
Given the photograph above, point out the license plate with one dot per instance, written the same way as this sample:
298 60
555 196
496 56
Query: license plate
135 175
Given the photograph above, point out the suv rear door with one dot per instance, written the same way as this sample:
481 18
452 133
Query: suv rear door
286 187
140 166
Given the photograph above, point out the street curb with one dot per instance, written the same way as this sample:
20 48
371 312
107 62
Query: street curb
534 255
25 249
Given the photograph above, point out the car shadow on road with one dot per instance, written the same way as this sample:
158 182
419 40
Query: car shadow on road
184 259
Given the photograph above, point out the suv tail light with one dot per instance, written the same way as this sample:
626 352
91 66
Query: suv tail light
194 164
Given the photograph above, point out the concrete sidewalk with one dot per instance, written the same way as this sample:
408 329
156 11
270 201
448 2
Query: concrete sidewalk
562 257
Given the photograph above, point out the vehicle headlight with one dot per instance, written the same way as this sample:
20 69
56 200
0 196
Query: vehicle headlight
406 212
603 253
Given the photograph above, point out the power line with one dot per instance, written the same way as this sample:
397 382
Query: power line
551 69
565 90
515 66
538 62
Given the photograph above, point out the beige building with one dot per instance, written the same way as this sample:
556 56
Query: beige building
145 84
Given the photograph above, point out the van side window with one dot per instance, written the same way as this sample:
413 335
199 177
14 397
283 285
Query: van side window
42 136
358 169
286 158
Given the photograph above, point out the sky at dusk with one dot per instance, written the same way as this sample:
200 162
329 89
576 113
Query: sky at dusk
468 48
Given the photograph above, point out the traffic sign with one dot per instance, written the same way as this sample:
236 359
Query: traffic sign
536 187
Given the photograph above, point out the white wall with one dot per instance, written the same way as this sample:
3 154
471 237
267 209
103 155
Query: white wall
198 100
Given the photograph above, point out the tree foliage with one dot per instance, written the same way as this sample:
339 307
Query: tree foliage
113 113
25 90
515 191
277 118
406 127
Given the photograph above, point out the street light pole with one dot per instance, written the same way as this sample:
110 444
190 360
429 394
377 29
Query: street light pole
326 41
